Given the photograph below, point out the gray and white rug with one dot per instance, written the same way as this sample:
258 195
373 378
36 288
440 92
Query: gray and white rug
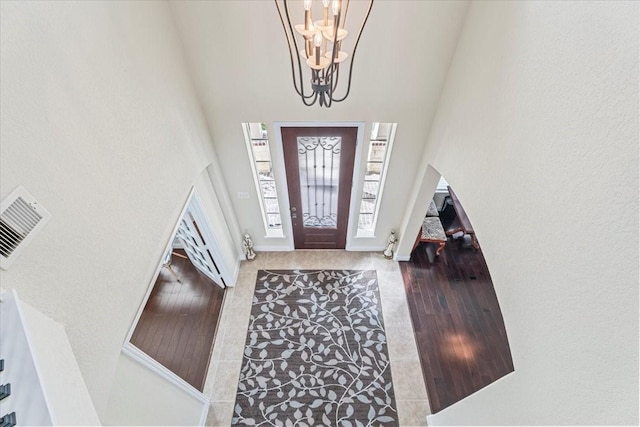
316 352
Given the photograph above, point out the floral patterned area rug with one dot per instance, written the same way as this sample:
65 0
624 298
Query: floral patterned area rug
316 352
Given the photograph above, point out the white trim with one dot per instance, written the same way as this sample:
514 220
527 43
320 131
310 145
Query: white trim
205 228
236 272
34 357
256 181
192 201
252 160
365 248
274 233
383 177
224 199
402 258
414 211
150 363
354 208
281 176
267 248
362 232
157 272
204 414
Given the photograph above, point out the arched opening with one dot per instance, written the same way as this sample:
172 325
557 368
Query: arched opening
457 321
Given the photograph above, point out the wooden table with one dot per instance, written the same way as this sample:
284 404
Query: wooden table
461 223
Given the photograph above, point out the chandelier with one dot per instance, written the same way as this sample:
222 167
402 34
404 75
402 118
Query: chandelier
316 48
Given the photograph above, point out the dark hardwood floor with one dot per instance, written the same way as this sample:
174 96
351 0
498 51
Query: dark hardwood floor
457 321
178 325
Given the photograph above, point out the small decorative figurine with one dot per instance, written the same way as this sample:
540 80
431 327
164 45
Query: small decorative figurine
248 247
391 242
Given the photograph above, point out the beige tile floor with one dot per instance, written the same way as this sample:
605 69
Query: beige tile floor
224 369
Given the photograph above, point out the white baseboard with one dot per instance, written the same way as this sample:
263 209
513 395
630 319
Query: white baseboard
272 248
236 272
288 249
148 362
154 366
402 257
365 249
204 414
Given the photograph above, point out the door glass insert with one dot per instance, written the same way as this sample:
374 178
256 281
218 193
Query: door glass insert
319 162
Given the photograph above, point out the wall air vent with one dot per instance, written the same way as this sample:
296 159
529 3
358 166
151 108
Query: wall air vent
21 218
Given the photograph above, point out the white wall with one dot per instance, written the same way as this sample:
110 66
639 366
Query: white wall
238 55
537 132
141 397
101 124
21 369
62 383
224 241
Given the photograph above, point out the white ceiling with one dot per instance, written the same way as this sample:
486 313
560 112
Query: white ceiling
239 58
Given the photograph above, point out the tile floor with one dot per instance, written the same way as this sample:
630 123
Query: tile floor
224 368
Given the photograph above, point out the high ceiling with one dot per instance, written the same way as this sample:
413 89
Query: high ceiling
238 55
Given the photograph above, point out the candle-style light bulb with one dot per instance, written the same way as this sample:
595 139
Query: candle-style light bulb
317 40
325 12
307 14
335 7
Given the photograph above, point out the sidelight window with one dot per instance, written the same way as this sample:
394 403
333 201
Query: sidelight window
380 145
258 147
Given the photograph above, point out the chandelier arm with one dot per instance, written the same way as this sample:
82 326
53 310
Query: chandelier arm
286 34
364 21
346 10
335 78
334 53
314 95
335 74
329 102
309 104
290 36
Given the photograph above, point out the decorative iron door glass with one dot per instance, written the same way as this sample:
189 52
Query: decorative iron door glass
319 160
319 166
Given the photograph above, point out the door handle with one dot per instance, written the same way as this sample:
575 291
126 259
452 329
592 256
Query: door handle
294 215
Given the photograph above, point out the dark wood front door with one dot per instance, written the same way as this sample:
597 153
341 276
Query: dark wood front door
319 165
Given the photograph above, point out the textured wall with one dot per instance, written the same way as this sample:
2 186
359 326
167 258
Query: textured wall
101 124
67 395
137 392
537 131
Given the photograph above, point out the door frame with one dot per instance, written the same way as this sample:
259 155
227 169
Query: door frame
192 201
195 208
134 353
281 177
